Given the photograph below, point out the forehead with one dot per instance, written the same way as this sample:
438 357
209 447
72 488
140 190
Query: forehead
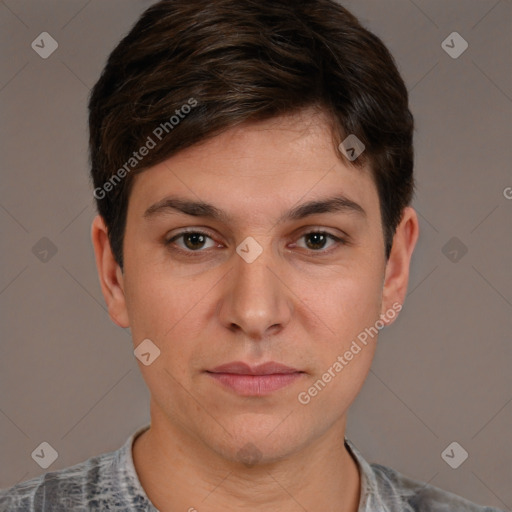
258 168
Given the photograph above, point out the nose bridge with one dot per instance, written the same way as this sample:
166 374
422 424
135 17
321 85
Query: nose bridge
256 299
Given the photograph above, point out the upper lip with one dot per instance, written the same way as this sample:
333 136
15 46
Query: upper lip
241 368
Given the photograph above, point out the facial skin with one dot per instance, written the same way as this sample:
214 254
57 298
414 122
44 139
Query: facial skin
301 303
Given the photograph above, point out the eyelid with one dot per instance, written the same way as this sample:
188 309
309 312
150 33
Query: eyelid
342 235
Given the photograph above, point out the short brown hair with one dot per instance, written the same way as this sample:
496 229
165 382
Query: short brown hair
243 61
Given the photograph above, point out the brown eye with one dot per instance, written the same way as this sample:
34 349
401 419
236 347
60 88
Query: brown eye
317 240
193 241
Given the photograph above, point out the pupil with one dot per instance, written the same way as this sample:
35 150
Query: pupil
198 240
319 237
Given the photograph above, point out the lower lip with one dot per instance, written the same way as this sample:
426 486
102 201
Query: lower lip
255 385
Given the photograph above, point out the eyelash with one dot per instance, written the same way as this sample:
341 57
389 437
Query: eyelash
189 253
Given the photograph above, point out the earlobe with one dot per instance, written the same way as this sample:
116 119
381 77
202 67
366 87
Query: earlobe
109 273
398 265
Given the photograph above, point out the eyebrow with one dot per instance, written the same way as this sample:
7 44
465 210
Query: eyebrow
339 203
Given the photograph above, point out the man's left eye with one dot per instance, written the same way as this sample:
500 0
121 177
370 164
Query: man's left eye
318 239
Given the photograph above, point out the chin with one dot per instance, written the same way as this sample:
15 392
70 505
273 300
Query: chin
250 444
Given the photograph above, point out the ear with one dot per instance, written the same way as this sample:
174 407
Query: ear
397 267
110 274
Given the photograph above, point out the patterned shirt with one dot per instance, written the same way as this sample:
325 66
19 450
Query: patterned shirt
109 482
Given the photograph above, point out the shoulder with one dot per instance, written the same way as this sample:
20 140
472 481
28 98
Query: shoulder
72 488
419 496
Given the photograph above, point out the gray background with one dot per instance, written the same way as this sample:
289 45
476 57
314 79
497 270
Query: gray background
442 371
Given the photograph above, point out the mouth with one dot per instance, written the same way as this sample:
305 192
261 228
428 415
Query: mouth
260 380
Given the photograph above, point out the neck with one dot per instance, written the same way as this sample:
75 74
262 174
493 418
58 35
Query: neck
179 473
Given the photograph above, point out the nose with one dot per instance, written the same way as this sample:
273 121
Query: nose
256 300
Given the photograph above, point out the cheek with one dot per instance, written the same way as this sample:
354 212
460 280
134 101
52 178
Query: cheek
169 315
158 306
345 345
343 304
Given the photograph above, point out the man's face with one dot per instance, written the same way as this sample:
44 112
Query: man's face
301 302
